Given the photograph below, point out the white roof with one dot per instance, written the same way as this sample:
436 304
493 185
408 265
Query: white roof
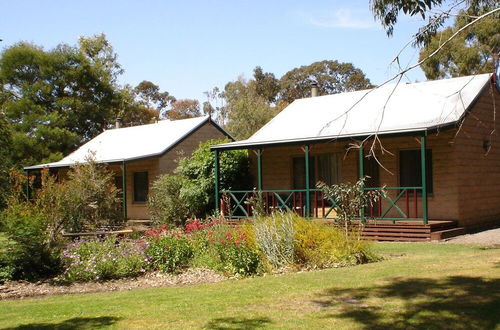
391 108
129 143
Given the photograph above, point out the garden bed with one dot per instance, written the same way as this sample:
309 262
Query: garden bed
23 289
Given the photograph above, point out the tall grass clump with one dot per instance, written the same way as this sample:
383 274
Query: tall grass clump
287 239
275 237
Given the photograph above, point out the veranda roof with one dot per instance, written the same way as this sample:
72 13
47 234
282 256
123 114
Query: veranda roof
131 143
390 109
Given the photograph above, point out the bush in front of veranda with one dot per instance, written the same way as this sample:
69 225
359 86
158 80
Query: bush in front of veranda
287 239
190 191
96 260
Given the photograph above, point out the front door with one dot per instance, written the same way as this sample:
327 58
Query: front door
372 170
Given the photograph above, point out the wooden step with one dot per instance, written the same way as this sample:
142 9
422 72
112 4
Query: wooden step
397 239
401 234
448 233
398 230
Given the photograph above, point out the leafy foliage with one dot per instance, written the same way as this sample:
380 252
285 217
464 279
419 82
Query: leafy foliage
169 253
472 52
5 160
320 245
248 109
165 203
148 95
185 108
198 173
331 77
86 200
56 99
287 239
238 256
387 11
350 199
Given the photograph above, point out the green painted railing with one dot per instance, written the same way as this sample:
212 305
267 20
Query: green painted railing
388 203
240 203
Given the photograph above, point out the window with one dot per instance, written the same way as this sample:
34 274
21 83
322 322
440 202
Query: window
324 167
410 169
299 173
329 168
141 186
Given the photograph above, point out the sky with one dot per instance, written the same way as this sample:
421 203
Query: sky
189 47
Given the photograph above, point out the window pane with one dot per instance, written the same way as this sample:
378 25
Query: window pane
141 186
329 168
299 173
410 171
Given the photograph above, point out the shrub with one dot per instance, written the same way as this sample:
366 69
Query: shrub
103 260
198 171
165 202
238 256
90 199
169 253
87 199
287 239
7 268
35 249
320 245
350 199
274 236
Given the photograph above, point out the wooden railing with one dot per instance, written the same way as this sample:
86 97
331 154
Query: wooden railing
394 204
388 203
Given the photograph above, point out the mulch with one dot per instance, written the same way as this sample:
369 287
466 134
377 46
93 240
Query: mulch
22 289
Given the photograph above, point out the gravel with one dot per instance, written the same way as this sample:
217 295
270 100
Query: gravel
22 289
487 237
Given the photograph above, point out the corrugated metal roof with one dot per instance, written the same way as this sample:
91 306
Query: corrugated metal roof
129 143
391 108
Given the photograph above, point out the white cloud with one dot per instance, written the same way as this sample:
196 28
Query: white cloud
344 18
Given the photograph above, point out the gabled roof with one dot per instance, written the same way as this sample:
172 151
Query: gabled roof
133 143
389 109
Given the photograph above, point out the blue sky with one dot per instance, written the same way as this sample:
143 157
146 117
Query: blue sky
188 47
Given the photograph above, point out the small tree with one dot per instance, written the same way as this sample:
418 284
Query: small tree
165 202
349 198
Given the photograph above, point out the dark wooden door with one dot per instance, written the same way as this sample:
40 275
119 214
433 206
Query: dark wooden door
372 170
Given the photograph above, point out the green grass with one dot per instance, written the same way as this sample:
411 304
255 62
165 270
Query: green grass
419 286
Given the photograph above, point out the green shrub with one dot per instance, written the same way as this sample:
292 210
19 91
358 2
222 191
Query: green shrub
166 206
287 239
89 200
7 267
350 199
198 172
190 191
169 253
103 260
321 245
237 255
35 249
274 236
86 200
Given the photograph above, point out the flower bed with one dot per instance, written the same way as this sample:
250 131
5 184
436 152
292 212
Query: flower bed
267 244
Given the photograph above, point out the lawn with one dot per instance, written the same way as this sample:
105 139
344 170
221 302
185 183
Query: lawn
424 286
